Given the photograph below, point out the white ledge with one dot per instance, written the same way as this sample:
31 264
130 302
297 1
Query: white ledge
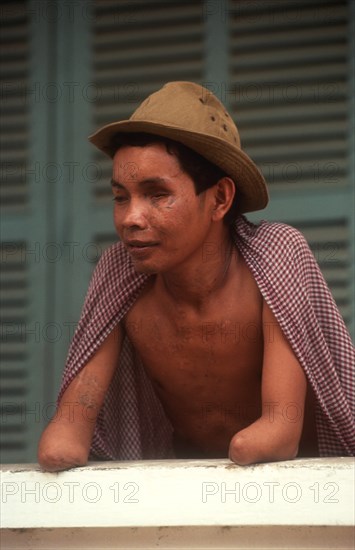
205 496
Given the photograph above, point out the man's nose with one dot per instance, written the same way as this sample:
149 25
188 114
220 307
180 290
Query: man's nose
135 215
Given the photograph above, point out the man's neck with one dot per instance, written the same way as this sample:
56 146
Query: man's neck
195 283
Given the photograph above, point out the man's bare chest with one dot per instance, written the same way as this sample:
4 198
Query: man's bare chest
223 345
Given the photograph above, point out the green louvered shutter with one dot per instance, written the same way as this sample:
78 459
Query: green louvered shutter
290 90
21 322
28 329
137 47
14 291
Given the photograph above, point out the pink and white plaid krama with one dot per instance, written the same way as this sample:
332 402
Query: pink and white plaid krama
132 424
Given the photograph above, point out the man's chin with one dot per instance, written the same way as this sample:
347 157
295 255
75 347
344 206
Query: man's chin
142 269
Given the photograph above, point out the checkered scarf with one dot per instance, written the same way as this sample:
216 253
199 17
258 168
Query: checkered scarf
132 424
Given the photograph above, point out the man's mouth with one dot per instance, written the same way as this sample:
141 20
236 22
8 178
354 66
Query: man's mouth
140 244
140 248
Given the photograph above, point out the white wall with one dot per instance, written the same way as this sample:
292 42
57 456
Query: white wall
306 503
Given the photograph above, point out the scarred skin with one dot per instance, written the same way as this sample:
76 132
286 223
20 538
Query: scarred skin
222 368
65 443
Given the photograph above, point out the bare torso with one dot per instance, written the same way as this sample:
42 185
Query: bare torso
205 366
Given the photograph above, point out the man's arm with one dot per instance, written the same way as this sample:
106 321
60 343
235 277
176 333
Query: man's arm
276 434
66 441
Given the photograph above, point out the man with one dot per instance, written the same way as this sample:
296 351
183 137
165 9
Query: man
202 335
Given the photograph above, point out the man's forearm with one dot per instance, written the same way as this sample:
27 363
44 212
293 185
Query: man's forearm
64 445
66 441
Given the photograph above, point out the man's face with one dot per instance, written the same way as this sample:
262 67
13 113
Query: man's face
157 214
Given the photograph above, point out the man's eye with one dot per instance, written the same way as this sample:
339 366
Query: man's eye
119 199
159 195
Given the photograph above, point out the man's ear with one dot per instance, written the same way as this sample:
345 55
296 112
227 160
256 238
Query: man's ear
224 192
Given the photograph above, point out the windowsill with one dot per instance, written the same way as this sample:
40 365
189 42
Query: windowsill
205 496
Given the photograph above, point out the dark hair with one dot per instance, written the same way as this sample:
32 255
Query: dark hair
203 173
